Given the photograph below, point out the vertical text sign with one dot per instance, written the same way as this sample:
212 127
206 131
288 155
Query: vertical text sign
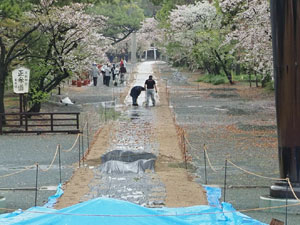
21 80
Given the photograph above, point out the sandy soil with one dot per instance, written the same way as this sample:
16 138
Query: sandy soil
178 182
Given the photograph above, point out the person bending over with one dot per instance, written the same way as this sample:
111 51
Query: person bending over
135 92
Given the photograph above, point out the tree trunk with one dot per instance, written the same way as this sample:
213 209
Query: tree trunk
228 74
52 85
250 81
216 69
36 107
3 75
206 65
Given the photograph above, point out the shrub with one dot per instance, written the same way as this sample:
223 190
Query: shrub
213 79
270 86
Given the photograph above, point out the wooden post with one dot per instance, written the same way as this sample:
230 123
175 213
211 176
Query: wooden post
276 222
286 46
21 108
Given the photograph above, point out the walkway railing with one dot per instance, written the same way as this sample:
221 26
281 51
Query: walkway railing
29 122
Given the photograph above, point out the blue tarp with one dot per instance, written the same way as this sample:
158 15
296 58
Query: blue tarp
53 199
106 211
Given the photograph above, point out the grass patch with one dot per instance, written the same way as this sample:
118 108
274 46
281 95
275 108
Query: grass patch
270 87
107 114
213 79
182 165
11 102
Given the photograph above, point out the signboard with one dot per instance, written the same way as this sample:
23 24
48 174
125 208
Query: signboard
21 80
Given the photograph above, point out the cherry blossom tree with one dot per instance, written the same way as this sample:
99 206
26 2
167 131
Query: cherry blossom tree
72 45
149 35
55 42
16 37
251 33
195 38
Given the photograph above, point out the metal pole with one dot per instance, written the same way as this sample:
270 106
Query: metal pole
82 148
205 171
286 202
1 123
184 149
166 86
36 184
225 177
79 151
59 164
105 112
87 135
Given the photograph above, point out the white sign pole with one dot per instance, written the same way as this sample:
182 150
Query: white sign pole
20 79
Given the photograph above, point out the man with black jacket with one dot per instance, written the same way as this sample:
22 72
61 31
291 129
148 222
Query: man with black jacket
150 86
135 92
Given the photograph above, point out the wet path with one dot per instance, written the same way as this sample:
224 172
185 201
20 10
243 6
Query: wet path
127 169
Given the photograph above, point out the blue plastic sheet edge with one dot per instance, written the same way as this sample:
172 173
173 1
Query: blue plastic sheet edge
53 199
113 211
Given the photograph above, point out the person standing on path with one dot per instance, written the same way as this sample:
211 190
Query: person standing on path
94 73
135 92
107 75
122 74
150 86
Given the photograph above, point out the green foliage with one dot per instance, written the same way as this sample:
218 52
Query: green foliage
37 96
123 17
150 9
270 86
213 79
166 7
13 9
247 77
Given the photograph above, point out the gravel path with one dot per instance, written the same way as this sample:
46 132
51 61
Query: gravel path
133 132
231 126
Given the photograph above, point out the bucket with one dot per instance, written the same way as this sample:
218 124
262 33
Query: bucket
78 83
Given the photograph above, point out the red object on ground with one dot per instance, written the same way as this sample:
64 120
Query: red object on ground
74 82
78 83
85 82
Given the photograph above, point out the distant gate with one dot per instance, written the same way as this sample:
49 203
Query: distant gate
28 122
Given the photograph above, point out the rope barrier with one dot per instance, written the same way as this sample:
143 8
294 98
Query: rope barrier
51 164
292 189
206 153
23 170
70 149
246 171
84 125
257 175
209 162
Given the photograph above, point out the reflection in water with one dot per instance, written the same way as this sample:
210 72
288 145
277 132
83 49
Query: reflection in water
134 115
